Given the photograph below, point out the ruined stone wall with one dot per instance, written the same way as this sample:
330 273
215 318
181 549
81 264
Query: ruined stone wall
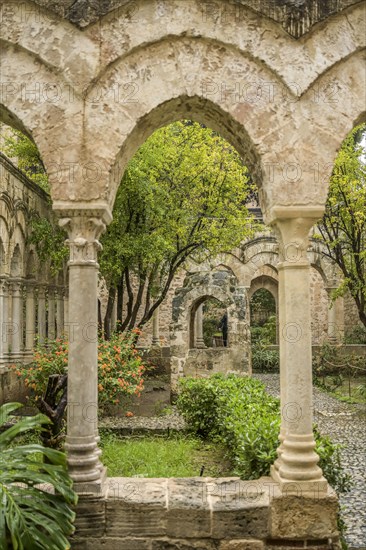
319 307
351 317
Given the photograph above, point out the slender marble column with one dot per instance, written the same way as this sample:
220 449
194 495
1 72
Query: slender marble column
59 313
199 328
4 322
30 319
41 314
296 468
66 311
17 329
333 332
156 333
85 468
51 314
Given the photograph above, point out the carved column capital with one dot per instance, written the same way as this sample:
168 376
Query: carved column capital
4 285
84 231
293 226
16 286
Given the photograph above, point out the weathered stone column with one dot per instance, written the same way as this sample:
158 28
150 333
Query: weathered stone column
156 332
333 329
84 229
51 314
199 328
16 326
41 317
66 311
30 319
296 468
4 321
59 313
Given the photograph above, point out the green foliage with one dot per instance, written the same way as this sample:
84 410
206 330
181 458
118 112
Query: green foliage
355 335
266 333
183 194
343 227
262 303
240 414
120 368
49 358
215 408
149 457
31 517
29 160
331 462
49 240
264 359
213 311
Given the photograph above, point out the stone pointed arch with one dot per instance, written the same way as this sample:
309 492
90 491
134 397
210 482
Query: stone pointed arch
16 263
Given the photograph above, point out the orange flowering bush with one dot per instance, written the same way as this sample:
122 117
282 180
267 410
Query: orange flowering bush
120 368
48 359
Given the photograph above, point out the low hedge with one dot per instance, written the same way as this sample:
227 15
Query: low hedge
238 412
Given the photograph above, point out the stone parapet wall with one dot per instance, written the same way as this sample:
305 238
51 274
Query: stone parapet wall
205 514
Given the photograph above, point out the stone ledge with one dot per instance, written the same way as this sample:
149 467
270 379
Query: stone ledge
205 514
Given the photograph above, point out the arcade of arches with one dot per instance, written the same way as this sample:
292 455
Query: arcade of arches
284 84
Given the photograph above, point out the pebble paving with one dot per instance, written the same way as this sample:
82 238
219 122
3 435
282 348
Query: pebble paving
345 424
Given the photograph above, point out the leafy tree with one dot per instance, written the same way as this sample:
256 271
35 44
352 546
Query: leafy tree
343 227
183 195
19 146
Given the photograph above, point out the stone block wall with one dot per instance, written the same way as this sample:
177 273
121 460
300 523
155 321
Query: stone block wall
204 514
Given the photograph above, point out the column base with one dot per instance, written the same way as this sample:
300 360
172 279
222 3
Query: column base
200 344
85 468
300 487
96 488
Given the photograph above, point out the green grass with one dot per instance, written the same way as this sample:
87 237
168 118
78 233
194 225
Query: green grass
176 456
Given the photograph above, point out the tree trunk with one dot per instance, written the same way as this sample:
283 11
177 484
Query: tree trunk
109 312
100 320
119 304
53 435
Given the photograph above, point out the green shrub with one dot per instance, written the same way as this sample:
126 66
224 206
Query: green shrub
238 412
265 360
120 368
356 335
265 334
30 516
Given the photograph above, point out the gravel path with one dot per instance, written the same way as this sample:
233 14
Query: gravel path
345 424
